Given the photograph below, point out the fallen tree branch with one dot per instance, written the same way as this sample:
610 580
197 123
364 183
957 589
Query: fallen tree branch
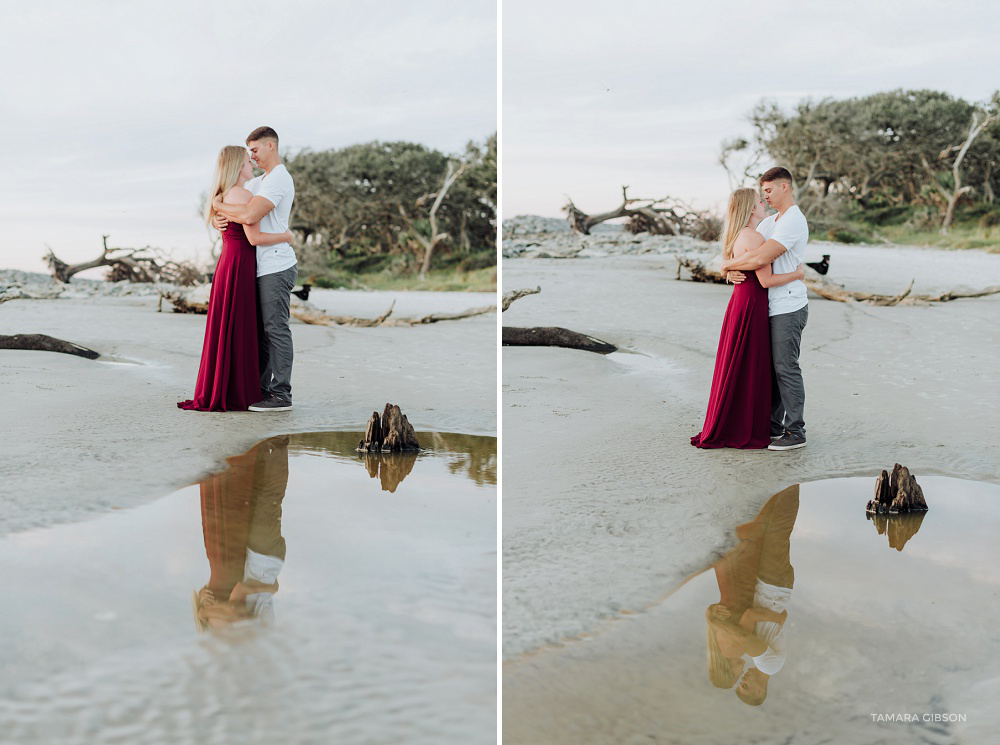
309 313
510 297
43 343
124 263
828 290
554 336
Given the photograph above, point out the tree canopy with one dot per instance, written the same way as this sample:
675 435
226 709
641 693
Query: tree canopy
372 200
885 150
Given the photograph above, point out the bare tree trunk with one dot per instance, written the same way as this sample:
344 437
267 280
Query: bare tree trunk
958 191
435 238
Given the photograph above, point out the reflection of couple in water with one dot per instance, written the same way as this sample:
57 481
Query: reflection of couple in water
755 585
241 520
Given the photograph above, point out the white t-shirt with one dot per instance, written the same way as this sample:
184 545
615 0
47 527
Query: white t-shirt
773 598
792 232
265 570
277 188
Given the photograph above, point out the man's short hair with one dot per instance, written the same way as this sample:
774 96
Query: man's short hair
262 133
775 174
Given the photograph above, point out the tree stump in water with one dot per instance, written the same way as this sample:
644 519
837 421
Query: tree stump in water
390 433
895 494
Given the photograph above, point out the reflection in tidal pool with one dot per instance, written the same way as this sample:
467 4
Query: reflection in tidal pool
339 598
813 628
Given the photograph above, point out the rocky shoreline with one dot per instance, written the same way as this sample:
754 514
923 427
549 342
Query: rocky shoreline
534 237
20 285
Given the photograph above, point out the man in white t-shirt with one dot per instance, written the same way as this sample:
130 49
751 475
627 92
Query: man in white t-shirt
271 206
786 234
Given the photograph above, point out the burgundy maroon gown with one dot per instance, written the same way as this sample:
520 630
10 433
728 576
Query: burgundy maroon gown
229 377
739 407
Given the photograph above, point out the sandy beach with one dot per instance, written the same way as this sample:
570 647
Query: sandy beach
83 437
606 505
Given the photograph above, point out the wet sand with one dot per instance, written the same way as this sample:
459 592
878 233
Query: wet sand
605 502
83 437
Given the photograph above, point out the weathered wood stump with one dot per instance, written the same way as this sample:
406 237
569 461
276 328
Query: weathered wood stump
554 336
43 343
389 433
896 493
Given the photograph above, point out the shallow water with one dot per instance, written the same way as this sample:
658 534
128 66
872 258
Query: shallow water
884 643
381 626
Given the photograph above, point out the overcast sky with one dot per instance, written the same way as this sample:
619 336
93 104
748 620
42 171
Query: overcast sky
114 111
597 95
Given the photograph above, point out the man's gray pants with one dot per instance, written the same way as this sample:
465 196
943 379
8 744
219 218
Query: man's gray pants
788 393
274 346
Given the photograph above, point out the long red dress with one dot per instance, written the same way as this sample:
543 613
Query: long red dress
229 377
739 407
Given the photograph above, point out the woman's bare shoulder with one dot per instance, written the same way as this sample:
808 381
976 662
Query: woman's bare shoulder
237 195
747 240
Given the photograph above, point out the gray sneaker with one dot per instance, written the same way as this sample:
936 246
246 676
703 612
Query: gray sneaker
788 441
271 404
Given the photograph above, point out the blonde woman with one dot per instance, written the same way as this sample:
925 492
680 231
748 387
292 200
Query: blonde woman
739 406
228 377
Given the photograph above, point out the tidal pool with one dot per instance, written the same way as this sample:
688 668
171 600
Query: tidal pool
307 594
891 635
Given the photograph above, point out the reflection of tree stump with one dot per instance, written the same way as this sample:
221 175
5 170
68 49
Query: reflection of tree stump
390 471
900 528
390 433
897 493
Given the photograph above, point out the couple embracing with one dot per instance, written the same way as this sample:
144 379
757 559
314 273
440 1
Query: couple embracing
758 396
246 358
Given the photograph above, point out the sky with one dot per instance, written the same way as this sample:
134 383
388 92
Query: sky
115 111
597 96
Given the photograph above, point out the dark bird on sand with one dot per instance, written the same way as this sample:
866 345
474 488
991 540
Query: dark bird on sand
304 292
820 266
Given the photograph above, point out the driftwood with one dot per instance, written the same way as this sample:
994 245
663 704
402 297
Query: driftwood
126 263
832 291
183 302
698 271
390 433
666 216
43 343
510 297
548 336
554 336
896 494
659 222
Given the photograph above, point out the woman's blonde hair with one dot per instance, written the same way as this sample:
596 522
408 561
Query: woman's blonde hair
227 172
720 672
741 204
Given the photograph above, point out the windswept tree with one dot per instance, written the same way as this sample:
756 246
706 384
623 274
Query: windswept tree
373 199
895 148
